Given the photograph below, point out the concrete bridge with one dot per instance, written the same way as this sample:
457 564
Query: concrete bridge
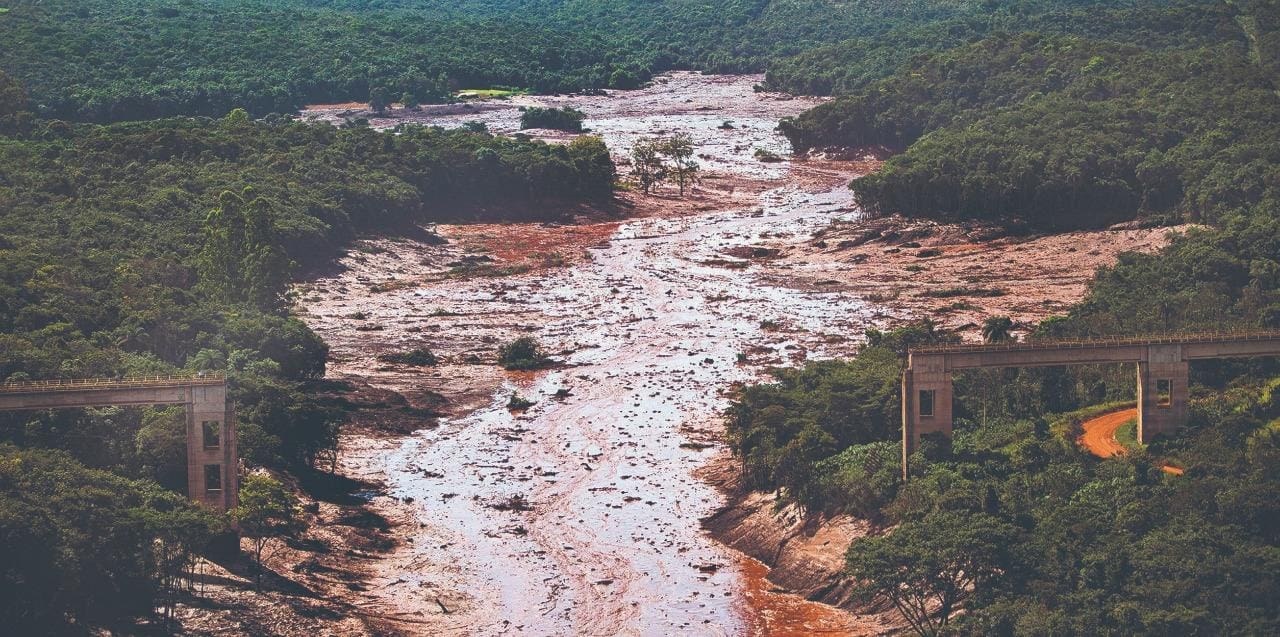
1162 366
212 463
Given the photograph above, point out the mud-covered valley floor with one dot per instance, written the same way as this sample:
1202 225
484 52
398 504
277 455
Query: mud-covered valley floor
582 513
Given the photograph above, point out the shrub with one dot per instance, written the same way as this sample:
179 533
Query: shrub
521 354
565 119
418 357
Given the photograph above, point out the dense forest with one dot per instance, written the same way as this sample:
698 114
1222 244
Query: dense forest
106 60
167 246
1065 131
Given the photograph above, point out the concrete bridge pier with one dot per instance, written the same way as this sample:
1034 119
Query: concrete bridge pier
212 472
926 402
1163 390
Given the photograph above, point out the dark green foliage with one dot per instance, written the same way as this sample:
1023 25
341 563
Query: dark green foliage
519 403
524 353
111 59
849 66
565 119
418 357
267 510
808 432
84 545
1065 132
927 565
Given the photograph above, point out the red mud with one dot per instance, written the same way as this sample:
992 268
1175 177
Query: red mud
581 514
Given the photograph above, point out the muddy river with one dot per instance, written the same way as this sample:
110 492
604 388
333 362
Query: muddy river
580 515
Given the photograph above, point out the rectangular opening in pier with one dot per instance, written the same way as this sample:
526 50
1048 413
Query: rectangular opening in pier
926 401
213 478
212 434
1164 392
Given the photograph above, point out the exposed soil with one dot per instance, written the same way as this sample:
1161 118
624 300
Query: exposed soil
1099 435
956 274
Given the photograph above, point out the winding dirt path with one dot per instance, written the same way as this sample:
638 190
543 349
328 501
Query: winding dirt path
1100 433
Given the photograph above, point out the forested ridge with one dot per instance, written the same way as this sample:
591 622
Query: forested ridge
1160 121
106 60
1044 131
1069 131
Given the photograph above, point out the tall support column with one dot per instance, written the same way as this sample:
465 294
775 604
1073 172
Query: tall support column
926 402
1163 381
212 472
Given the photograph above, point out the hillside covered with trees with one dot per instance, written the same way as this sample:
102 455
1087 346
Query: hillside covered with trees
165 247
1064 131
108 60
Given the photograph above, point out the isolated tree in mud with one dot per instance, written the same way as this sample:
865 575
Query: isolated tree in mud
522 353
378 100
267 510
926 566
679 150
647 164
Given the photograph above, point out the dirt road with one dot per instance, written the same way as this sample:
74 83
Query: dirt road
1100 433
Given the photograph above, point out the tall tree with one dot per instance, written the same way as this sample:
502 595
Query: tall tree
926 566
997 329
679 149
242 261
647 165
267 510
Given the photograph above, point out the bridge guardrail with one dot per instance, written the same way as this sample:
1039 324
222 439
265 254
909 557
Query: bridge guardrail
110 383
1081 343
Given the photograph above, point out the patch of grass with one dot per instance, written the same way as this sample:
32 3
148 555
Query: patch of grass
519 403
767 156
1127 435
487 93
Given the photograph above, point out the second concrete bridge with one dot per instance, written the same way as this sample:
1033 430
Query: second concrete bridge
1162 374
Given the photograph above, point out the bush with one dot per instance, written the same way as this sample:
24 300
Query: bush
524 353
565 119
418 357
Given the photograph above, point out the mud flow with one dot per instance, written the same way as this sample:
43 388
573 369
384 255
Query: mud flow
580 514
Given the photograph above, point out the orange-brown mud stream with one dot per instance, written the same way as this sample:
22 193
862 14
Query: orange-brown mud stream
581 514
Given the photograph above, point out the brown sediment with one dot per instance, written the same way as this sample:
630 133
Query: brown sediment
955 274
651 319
803 555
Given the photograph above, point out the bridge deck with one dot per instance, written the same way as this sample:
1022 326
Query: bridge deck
1097 350
101 392
78 384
